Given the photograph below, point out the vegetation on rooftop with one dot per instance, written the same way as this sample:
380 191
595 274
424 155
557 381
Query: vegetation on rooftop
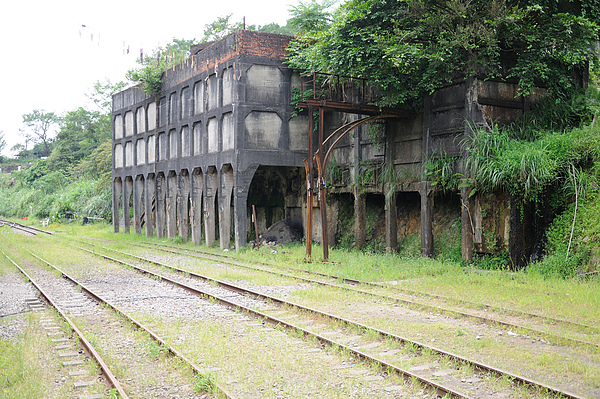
410 48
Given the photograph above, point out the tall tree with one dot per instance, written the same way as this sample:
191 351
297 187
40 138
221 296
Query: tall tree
40 126
411 47
80 133
274 27
220 27
83 130
102 92
311 15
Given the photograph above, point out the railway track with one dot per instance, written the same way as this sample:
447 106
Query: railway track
24 229
115 283
372 344
89 348
382 291
102 325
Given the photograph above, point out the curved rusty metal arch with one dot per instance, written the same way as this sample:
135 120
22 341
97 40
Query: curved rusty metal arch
349 127
321 161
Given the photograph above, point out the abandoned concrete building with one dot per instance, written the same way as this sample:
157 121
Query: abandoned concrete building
222 135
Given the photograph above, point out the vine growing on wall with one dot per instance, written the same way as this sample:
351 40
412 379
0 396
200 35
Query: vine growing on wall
441 171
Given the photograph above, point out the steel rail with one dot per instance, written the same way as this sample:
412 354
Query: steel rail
404 290
478 365
134 321
437 388
22 227
486 320
88 346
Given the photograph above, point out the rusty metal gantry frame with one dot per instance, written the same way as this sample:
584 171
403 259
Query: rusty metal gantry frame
320 157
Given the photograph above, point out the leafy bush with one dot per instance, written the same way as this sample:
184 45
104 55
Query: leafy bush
573 239
44 199
410 48
526 169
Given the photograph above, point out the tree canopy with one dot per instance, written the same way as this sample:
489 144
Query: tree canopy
310 16
40 125
411 47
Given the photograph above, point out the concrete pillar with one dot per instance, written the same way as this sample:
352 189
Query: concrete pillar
149 203
225 192
138 204
209 206
240 210
183 197
161 201
360 218
360 199
426 219
391 211
116 203
473 117
391 228
468 226
171 205
126 198
242 181
196 205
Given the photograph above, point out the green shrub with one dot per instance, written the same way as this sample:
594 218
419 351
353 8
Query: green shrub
583 236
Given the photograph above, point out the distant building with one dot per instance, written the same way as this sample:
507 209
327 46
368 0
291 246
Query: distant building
14 168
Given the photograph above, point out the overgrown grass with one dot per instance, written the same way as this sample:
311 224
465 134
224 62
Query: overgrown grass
25 367
553 164
528 290
53 195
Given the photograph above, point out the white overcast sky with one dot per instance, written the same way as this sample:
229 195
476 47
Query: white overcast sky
50 61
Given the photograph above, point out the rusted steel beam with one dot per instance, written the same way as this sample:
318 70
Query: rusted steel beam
309 185
321 183
353 108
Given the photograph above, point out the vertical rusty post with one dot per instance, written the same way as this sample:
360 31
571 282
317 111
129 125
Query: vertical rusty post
321 182
255 226
309 184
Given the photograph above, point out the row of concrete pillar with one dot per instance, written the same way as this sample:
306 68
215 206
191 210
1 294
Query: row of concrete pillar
178 204
391 233
187 205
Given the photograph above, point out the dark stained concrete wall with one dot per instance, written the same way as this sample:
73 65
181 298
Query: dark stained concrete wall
220 115
223 126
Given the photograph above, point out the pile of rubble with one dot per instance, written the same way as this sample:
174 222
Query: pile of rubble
280 233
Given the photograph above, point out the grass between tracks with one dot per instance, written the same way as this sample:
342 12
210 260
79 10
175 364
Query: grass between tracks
572 299
577 300
27 359
27 364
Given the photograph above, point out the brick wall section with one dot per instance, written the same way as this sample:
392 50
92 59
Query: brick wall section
243 42
260 44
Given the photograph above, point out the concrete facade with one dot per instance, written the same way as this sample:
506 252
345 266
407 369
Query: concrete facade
222 136
408 202
184 160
